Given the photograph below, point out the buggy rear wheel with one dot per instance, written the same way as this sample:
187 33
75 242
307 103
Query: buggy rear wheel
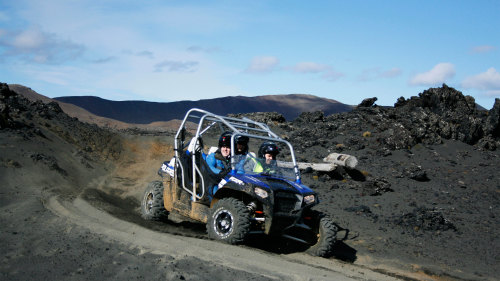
152 202
229 221
325 233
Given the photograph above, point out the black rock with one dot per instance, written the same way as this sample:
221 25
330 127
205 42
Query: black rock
369 102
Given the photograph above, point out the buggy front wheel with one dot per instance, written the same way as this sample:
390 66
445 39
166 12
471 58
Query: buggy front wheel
325 233
152 202
229 221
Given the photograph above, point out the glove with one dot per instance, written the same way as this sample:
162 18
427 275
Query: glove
194 144
224 172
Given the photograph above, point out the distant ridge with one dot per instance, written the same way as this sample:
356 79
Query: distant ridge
143 112
85 116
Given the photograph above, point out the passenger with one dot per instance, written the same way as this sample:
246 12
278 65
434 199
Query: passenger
241 145
265 163
267 152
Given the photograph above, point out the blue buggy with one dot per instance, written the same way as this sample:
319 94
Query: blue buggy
243 199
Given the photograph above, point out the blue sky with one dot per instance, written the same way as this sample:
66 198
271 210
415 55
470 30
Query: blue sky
165 51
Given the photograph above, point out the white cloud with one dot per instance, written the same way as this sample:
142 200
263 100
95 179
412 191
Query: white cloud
29 39
34 45
483 49
312 67
263 64
437 75
487 81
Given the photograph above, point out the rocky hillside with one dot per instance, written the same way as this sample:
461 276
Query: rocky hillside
32 119
424 197
435 115
426 190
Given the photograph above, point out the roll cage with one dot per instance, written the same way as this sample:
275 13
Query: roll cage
238 126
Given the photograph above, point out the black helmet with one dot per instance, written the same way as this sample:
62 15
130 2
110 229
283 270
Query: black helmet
225 139
268 147
243 140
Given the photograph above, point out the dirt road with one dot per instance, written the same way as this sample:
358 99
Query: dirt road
209 253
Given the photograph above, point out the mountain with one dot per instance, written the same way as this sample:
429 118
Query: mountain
70 109
143 112
88 117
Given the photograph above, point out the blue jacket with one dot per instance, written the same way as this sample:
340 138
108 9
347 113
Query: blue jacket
215 164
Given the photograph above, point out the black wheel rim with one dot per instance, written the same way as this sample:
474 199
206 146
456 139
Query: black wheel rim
223 223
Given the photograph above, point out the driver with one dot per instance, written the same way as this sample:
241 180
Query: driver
220 160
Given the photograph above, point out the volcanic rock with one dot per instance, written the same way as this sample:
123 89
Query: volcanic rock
424 192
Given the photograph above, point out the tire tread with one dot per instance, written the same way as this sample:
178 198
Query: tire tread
328 236
242 220
158 211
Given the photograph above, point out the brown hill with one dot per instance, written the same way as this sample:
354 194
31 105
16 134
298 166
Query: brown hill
88 117
151 116
143 112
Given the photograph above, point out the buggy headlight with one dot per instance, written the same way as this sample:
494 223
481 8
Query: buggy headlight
309 199
261 192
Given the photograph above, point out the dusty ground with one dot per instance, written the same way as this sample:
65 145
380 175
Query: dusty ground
70 199
81 222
